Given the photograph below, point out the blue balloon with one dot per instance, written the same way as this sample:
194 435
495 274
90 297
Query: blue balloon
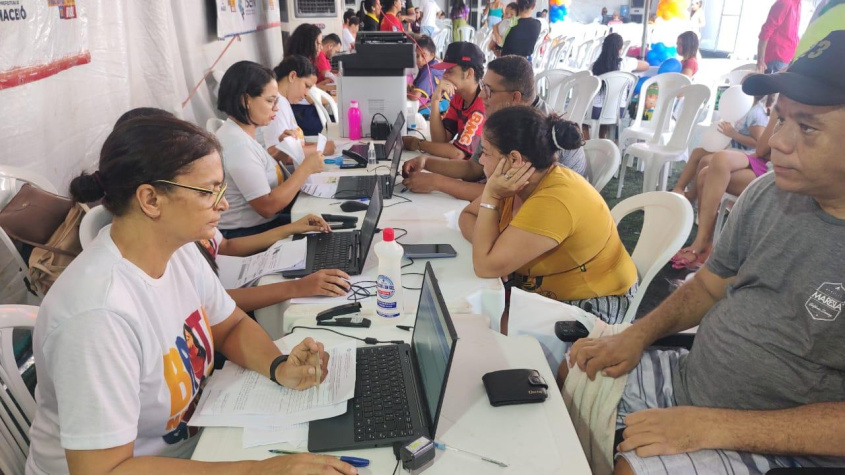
640 84
652 58
671 65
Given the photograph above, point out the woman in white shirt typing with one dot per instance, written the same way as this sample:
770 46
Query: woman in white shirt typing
258 186
117 339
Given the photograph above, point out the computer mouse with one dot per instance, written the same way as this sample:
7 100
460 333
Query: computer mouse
352 206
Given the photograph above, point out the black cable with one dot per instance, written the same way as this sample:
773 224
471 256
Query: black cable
396 467
397 238
395 195
412 273
418 132
368 340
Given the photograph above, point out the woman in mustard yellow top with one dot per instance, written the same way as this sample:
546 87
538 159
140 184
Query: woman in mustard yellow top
545 223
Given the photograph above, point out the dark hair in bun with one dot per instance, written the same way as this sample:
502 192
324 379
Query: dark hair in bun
536 136
139 151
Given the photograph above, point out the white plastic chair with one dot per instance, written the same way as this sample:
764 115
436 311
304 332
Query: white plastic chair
583 90
559 53
749 67
548 83
644 130
725 205
603 159
668 86
618 87
441 40
666 227
466 33
595 52
93 221
213 124
318 95
581 52
17 415
11 179
655 157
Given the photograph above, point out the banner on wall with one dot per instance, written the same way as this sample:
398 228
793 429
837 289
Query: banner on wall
236 17
40 38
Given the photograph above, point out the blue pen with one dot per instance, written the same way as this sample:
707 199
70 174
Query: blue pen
354 461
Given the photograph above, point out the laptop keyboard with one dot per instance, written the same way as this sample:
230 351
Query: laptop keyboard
380 405
334 251
368 182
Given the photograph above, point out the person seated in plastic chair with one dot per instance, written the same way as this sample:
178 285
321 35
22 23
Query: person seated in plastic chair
728 171
326 282
543 223
456 134
428 78
125 340
762 386
509 81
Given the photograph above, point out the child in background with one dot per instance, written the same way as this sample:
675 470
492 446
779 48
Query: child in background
427 79
500 32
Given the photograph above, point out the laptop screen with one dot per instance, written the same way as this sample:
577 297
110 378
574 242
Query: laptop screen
368 227
432 345
394 164
395 132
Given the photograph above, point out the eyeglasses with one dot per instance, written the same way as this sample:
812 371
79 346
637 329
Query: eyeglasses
487 91
218 195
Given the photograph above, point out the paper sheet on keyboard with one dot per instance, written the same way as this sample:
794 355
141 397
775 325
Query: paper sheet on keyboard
296 435
321 185
236 272
237 395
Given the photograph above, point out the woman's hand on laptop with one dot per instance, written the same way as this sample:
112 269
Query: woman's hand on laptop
300 370
311 223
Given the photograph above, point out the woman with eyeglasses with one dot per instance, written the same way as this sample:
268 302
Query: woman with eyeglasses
259 187
543 223
118 379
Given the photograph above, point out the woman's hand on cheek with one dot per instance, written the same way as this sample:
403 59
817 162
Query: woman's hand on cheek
503 184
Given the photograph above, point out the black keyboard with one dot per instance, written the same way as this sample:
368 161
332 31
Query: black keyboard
334 251
380 406
366 184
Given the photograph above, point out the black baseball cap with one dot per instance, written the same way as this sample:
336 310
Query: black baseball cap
816 78
461 53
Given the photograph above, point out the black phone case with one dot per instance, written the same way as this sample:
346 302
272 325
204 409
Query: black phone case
515 386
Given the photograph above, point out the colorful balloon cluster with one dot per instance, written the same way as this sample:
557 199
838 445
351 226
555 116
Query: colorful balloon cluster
669 9
558 10
659 52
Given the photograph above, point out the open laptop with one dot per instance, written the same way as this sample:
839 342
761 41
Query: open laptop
346 251
383 150
399 389
361 186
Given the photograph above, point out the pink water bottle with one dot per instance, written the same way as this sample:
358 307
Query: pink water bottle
353 117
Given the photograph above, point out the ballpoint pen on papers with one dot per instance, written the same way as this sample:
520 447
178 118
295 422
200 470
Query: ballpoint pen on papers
354 461
442 446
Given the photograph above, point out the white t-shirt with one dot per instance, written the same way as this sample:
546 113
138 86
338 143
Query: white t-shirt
430 10
250 172
284 120
346 39
114 364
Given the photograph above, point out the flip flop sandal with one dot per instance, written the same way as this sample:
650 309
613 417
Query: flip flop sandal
680 262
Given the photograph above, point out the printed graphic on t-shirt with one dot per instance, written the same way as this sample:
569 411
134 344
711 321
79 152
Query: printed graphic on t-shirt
210 245
186 366
826 302
471 128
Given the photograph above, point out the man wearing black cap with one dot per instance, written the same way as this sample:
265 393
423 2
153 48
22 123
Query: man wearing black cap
764 384
457 133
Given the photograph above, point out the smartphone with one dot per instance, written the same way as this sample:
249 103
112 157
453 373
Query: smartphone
429 251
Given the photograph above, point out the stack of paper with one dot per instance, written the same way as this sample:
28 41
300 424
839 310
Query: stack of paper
269 413
236 272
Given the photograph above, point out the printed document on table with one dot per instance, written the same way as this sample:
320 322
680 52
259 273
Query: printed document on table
236 272
321 185
236 391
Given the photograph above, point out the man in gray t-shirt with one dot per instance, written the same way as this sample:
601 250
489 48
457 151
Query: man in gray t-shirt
509 81
764 384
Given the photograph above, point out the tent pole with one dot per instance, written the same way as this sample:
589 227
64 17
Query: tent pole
646 11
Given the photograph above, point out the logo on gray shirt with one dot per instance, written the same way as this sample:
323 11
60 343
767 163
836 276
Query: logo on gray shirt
826 302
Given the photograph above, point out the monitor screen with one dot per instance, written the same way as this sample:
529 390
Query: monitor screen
432 345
